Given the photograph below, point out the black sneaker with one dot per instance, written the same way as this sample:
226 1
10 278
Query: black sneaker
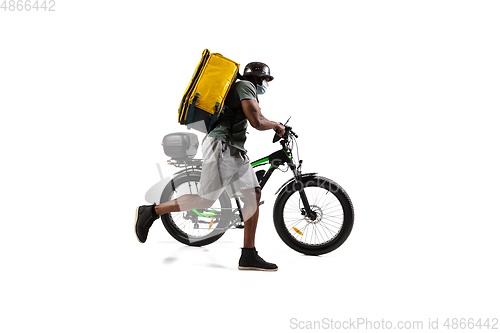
144 218
250 260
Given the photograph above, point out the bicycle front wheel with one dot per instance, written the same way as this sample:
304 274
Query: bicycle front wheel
333 216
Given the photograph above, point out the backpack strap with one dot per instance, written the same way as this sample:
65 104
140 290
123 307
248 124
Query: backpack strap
229 136
191 111
215 116
240 77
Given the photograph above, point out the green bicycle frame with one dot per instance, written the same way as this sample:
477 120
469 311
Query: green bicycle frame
276 159
279 157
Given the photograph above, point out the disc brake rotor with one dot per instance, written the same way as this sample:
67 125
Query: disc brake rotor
318 212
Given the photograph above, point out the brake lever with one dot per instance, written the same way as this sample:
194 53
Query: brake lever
287 129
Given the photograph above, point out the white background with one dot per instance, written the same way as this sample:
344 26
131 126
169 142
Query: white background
397 101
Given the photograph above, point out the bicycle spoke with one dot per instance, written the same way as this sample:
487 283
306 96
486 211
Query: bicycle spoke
331 226
297 219
340 216
326 208
326 226
332 210
290 225
294 205
316 234
326 196
323 230
323 197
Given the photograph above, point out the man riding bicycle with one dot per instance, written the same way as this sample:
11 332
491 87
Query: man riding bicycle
225 163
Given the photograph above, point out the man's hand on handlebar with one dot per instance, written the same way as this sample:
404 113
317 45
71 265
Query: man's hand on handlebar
279 129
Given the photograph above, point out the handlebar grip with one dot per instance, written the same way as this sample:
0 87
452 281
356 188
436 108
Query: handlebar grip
288 129
276 136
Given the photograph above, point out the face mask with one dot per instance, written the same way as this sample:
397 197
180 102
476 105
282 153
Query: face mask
262 88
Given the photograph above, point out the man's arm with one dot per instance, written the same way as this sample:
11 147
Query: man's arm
257 120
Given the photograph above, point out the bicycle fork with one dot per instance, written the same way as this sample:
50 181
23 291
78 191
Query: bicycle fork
298 181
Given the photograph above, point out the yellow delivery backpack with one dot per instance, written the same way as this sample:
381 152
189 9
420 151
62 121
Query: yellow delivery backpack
203 99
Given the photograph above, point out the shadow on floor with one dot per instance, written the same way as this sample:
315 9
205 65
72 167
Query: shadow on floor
197 256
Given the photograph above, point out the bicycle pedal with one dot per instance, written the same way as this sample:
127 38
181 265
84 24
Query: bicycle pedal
261 203
239 225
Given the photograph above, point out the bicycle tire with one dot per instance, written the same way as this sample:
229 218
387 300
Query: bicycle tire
174 229
293 238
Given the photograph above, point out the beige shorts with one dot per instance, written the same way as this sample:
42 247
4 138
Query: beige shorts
223 166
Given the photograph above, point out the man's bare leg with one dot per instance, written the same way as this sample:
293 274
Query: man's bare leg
146 215
250 260
183 203
251 215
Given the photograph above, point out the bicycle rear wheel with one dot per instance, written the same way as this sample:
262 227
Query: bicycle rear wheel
196 227
333 222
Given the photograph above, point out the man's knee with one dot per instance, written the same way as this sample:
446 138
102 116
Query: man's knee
250 194
205 203
257 193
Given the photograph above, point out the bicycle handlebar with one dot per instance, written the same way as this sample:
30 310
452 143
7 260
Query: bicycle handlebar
288 130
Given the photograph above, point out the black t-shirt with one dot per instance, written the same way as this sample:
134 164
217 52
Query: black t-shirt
233 120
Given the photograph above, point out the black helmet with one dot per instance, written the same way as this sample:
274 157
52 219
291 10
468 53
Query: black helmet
258 69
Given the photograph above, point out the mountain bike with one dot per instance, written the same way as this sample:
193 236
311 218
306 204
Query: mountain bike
312 214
